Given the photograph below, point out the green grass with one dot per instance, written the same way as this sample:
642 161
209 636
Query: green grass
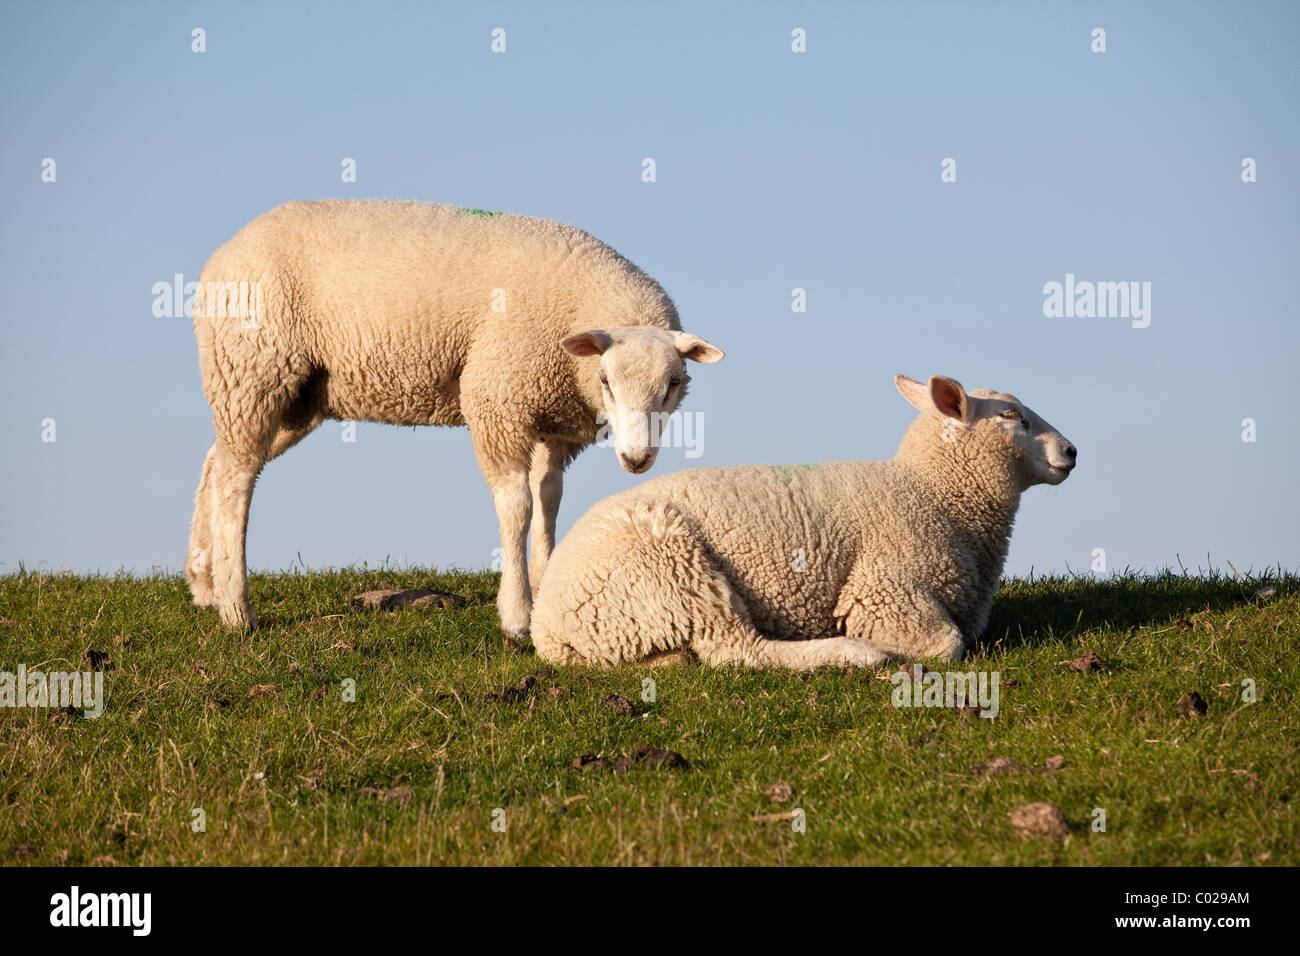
290 775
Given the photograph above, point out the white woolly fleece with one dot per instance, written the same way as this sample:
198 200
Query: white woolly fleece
406 313
806 566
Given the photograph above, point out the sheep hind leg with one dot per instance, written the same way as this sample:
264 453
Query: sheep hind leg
729 638
199 566
233 479
288 436
546 479
198 561
748 648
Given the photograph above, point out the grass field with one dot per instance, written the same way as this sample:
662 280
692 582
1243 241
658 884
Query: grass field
254 731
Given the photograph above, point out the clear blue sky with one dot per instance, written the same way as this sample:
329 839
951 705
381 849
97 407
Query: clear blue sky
775 170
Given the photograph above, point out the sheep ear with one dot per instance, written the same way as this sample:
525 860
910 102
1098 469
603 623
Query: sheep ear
915 392
949 397
696 349
583 344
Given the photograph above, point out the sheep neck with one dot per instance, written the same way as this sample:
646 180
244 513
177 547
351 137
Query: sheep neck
974 486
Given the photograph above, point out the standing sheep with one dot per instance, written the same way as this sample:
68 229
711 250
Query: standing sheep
413 313
808 566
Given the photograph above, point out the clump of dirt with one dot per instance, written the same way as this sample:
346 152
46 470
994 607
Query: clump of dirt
1193 705
656 757
779 792
1039 820
619 704
388 599
589 761
999 766
928 737
996 767
96 660
521 689
1088 663
645 754
398 795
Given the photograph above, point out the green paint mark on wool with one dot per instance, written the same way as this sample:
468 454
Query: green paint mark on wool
787 472
480 212
784 474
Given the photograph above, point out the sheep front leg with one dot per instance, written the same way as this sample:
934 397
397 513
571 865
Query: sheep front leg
546 478
514 504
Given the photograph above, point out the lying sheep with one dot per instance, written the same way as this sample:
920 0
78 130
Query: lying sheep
808 566
412 313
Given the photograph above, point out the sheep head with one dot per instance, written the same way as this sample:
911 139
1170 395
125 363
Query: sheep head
642 375
1038 452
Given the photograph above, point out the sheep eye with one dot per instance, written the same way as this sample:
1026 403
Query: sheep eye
1011 414
673 383
604 379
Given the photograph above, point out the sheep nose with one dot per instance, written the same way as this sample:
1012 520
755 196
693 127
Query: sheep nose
1071 452
634 464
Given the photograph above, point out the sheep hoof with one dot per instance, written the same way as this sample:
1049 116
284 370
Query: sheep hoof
514 623
239 618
